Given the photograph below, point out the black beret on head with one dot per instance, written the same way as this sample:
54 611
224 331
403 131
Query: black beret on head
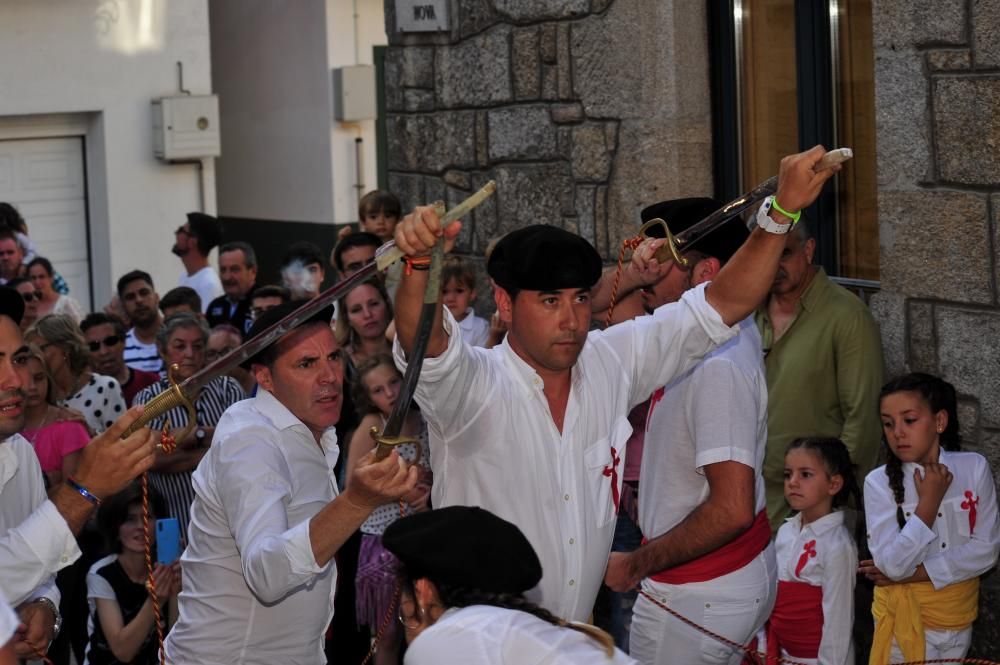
11 303
277 313
682 214
465 547
544 258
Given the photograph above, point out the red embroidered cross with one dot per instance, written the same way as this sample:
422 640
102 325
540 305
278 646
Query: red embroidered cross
612 472
970 505
808 550
656 397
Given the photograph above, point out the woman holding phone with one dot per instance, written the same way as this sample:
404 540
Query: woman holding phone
122 621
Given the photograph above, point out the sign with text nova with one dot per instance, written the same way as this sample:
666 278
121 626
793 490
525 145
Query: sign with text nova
421 15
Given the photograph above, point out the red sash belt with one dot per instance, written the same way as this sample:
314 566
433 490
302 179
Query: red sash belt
796 623
727 559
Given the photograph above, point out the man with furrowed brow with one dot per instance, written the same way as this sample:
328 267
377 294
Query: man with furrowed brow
534 429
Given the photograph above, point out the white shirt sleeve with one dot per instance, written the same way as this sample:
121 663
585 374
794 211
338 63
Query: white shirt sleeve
8 623
896 552
979 554
453 386
276 557
839 574
724 428
654 349
32 552
98 587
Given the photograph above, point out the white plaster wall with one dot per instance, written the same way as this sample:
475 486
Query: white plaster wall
106 60
354 27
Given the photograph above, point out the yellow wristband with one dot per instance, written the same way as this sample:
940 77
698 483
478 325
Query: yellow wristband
794 216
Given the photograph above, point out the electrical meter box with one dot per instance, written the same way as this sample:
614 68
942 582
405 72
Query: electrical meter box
186 127
354 93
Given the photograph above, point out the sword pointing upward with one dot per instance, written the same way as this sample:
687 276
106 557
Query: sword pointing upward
676 245
184 394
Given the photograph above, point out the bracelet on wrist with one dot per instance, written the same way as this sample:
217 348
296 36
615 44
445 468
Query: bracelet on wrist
84 492
794 216
418 263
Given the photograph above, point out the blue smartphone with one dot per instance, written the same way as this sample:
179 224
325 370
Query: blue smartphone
168 540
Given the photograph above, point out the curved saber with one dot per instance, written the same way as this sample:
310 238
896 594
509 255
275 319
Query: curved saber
677 244
183 394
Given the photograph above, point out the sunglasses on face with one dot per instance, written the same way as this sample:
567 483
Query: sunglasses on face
29 297
109 341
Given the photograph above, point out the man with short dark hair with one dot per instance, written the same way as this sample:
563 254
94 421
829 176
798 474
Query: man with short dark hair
258 571
11 257
819 340
193 242
37 534
105 337
302 270
534 429
238 270
141 304
266 297
180 299
353 252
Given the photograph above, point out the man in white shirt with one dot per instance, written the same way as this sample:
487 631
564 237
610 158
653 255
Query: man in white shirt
700 484
193 242
258 571
37 534
534 429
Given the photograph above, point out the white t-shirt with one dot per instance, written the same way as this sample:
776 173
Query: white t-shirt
716 412
494 444
487 635
475 329
206 282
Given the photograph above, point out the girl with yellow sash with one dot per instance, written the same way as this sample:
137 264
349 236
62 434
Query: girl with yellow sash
931 514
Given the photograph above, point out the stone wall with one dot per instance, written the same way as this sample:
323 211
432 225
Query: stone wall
937 86
583 111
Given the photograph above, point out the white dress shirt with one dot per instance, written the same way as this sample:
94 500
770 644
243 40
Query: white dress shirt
35 540
716 412
494 443
487 635
833 568
252 590
475 329
953 550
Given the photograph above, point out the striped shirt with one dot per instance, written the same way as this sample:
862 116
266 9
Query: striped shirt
217 396
139 355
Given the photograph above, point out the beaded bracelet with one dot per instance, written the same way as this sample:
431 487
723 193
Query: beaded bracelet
84 492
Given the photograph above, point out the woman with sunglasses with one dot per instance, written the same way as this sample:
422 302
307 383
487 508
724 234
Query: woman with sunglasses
31 299
74 384
41 274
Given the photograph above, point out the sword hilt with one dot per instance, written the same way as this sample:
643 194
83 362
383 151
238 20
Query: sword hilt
668 251
385 444
170 398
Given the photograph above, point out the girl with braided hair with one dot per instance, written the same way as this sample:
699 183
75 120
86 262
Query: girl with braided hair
814 611
932 525
463 577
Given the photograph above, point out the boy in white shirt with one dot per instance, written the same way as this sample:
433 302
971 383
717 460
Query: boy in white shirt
458 293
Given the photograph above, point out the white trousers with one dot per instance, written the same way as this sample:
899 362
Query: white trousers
735 605
939 644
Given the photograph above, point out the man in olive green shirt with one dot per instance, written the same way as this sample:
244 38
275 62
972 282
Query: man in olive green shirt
823 360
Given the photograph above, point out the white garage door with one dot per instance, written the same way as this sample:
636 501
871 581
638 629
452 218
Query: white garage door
44 180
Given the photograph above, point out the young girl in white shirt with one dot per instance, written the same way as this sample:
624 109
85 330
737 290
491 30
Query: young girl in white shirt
932 525
814 611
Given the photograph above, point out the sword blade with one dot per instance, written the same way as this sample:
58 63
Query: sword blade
688 237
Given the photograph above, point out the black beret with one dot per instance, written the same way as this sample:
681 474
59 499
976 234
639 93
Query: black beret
544 258
681 214
11 303
206 228
277 313
465 547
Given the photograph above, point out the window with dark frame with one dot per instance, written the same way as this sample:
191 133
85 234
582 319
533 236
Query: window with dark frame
786 75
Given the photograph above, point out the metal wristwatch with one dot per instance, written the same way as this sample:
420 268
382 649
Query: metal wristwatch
765 222
57 624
